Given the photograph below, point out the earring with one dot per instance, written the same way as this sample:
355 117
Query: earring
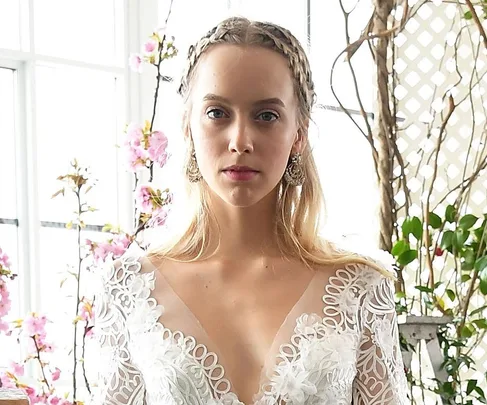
192 169
294 174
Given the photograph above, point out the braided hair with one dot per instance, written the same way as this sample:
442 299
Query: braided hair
241 31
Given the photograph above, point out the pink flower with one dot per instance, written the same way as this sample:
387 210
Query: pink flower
135 134
56 374
101 251
144 199
135 157
3 326
6 381
158 218
4 260
120 245
17 369
135 62
53 400
85 311
5 304
150 46
157 148
34 325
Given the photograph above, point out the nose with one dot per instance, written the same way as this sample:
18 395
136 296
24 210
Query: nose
240 138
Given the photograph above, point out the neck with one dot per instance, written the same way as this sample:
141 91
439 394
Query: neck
244 232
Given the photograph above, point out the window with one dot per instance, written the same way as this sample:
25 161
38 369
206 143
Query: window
65 93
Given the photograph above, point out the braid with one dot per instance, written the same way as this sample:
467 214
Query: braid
237 30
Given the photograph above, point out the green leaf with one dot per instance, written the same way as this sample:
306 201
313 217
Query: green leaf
471 386
478 310
451 294
400 295
469 259
412 226
423 288
461 236
407 257
468 15
481 265
480 323
447 240
465 278
434 220
399 247
483 286
467 331
467 221
450 213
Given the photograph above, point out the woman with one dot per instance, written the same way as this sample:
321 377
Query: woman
247 304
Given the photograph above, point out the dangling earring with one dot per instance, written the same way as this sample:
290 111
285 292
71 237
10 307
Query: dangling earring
192 169
294 174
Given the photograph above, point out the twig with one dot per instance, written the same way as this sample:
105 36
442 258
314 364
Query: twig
429 261
477 21
40 363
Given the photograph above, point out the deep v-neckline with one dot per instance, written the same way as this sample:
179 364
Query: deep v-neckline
272 353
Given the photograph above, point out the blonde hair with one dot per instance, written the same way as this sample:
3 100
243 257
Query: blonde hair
299 211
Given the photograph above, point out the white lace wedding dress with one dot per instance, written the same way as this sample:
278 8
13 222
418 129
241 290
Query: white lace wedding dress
338 345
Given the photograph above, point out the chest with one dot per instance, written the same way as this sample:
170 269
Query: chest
242 312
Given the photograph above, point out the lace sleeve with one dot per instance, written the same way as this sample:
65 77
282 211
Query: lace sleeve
119 381
380 376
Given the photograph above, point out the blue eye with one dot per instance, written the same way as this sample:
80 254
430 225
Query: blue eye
268 116
215 113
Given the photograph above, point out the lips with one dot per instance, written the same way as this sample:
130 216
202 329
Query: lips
236 168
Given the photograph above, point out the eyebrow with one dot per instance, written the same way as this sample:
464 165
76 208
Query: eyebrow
274 100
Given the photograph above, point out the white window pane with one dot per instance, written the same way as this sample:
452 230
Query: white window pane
347 174
7 144
79 114
86 30
10 24
59 249
188 27
327 39
290 14
8 242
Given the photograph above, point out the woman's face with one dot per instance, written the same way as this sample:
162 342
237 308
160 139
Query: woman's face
243 121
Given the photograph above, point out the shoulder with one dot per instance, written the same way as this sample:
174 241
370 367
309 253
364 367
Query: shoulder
126 271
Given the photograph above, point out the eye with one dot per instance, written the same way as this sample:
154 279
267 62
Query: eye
268 116
215 114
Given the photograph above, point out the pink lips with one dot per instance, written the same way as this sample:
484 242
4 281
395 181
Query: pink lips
240 173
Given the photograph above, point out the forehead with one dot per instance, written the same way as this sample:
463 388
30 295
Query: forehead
246 73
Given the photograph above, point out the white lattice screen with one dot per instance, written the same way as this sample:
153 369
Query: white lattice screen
435 53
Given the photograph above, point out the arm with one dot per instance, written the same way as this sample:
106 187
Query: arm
380 376
119 381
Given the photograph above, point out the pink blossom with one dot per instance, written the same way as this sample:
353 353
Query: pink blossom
6 381
56 374
53 400
5 303
150 46
144 199
158 218
135 62
102 251
135 133
17 369
135 157
120 244
4 260
85 311
34 325
3 326
157 148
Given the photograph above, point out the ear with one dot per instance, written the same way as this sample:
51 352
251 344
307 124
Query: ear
300 140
